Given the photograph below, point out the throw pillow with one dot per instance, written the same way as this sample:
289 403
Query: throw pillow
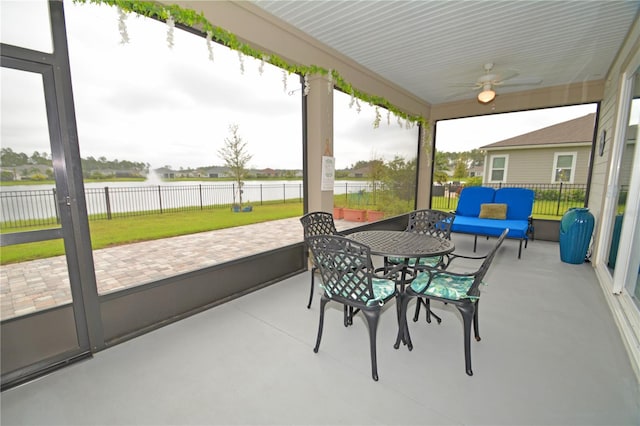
493 211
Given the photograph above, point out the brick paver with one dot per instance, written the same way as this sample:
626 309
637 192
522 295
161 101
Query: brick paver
39 284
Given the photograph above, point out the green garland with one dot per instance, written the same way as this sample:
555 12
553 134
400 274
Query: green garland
197 20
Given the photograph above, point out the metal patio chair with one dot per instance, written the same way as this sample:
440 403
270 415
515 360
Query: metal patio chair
460 289
316 223
431 222
349 278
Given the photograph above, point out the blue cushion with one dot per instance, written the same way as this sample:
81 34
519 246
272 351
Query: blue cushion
492 227
519 202
443 285
471 198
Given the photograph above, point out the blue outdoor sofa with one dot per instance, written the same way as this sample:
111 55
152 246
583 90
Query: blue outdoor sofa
487 211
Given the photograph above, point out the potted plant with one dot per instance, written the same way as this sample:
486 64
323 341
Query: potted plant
374 215
338 213
354 215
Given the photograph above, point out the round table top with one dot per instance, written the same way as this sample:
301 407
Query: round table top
403 244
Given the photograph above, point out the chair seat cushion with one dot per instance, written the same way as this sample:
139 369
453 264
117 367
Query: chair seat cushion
424 261
382 290
494 227
443 285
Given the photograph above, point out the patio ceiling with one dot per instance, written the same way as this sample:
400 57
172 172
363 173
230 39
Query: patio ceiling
427 47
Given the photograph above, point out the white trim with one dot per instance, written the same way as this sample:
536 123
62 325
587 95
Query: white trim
541 146
623 308
574 163
506 167
626 316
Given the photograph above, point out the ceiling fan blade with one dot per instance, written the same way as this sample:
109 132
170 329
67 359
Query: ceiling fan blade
522 81
507 75
461 93
469 85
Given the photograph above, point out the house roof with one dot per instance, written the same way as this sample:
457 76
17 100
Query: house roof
576 131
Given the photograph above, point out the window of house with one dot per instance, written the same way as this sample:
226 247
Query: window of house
498 168
564 167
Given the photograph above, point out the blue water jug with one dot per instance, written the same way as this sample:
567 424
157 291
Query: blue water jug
576 227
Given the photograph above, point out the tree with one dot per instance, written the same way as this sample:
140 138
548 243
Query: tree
441 168
10 158
461 170
235 155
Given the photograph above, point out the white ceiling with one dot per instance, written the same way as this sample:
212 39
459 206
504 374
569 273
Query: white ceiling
427 47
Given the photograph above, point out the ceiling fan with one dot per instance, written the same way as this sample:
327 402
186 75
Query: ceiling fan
491 79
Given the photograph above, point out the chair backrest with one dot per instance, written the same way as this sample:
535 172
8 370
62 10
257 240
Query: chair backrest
471 197
318 223
482 271
431 222
345 267
519 202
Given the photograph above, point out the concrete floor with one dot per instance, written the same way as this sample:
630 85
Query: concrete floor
550 354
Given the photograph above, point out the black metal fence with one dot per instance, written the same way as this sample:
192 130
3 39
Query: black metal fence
28 208
35 208
550 199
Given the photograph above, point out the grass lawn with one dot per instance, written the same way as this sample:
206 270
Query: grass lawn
108 233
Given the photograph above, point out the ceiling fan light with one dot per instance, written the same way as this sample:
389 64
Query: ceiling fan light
486 96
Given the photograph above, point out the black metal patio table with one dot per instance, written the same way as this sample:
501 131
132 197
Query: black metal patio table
402 244
405 245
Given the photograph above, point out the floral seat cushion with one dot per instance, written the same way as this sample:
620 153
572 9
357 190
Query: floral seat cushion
382 290
443 285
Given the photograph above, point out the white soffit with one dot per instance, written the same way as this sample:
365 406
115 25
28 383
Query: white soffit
427 47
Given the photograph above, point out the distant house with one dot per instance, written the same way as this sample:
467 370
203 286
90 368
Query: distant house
165 173
217 172
359 173
476 171
554 154
267 173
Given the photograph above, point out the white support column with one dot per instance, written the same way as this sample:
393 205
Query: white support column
319 140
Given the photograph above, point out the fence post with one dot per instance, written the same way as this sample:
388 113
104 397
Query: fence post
559 198
346 194
200 191
55 206
261 194
160 197
107 200
284 193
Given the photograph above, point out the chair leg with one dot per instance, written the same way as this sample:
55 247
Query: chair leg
427 306
323 303
475 322
416 315
372 321
313 272
468 311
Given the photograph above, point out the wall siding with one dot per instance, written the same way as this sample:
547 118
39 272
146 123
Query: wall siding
535 165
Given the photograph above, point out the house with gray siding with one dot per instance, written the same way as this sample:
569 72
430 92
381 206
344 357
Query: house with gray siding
554 154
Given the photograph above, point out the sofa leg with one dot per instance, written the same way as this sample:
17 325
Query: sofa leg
475 242
520 249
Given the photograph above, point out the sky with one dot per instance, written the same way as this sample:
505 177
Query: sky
142 101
